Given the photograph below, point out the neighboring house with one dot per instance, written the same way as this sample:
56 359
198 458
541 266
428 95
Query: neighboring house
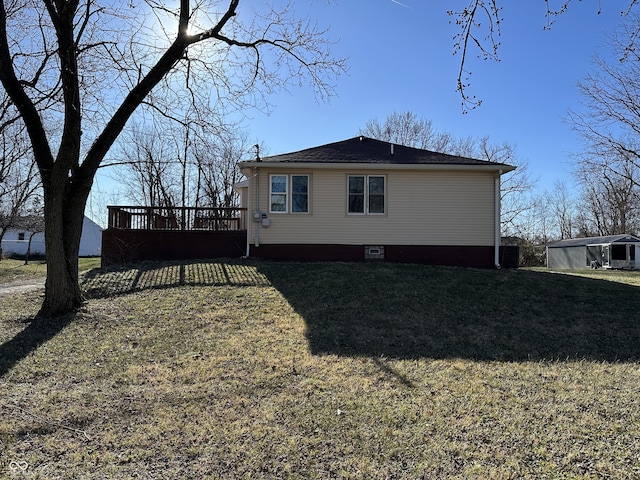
16 241
613 251
362 199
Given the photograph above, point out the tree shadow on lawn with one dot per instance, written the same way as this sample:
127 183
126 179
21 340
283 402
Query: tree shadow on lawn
412 311
405 311
120 280
36 333
104 283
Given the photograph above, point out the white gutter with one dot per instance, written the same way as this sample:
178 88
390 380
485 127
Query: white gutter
496 246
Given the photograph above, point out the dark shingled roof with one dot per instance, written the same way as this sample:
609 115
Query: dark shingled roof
581 242
368 150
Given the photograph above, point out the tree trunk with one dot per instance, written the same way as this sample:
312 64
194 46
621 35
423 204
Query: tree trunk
64 214
28 254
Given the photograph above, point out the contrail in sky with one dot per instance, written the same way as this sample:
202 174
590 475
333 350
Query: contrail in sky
400 3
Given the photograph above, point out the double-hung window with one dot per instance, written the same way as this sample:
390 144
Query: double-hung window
289 193
299 193
278 193
356 193
366 194
375 190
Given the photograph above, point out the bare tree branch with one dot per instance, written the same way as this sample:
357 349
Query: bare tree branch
469 23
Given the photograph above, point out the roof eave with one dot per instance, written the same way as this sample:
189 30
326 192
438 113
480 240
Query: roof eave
500 168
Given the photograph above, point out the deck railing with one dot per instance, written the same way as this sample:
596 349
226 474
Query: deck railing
177 218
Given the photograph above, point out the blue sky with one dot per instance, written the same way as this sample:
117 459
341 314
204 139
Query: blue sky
400 58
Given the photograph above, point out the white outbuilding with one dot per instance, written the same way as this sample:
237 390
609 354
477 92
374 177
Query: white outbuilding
612 251
16 241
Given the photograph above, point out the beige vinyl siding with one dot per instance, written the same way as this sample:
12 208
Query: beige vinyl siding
244 197
422 208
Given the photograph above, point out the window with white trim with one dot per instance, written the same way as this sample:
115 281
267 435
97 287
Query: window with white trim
299 193
375 189
356 194
366 194
289 193
278 193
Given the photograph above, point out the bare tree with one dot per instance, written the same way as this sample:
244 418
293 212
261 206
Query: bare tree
19 181
217 160
148 168
410 130
609 122
515 186
537 226
552 215
563 210
608 168
33 222
91 65
610 199
176 163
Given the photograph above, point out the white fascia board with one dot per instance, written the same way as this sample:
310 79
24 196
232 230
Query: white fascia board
241 184
498 168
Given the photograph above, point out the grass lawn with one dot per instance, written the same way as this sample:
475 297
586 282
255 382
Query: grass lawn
15 270
334 370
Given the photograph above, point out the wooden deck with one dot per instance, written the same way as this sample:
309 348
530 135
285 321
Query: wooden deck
178 218
137 234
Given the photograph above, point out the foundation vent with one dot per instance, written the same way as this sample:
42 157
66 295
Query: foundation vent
374 252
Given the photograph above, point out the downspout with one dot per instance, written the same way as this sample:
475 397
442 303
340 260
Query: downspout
256 240
256 213
496 244
248 221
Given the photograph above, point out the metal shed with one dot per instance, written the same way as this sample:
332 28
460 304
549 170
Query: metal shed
613 251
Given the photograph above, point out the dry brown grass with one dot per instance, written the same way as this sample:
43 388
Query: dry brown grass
229 370
12 270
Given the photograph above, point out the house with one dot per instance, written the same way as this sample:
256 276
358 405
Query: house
613 251
366 199
16 241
